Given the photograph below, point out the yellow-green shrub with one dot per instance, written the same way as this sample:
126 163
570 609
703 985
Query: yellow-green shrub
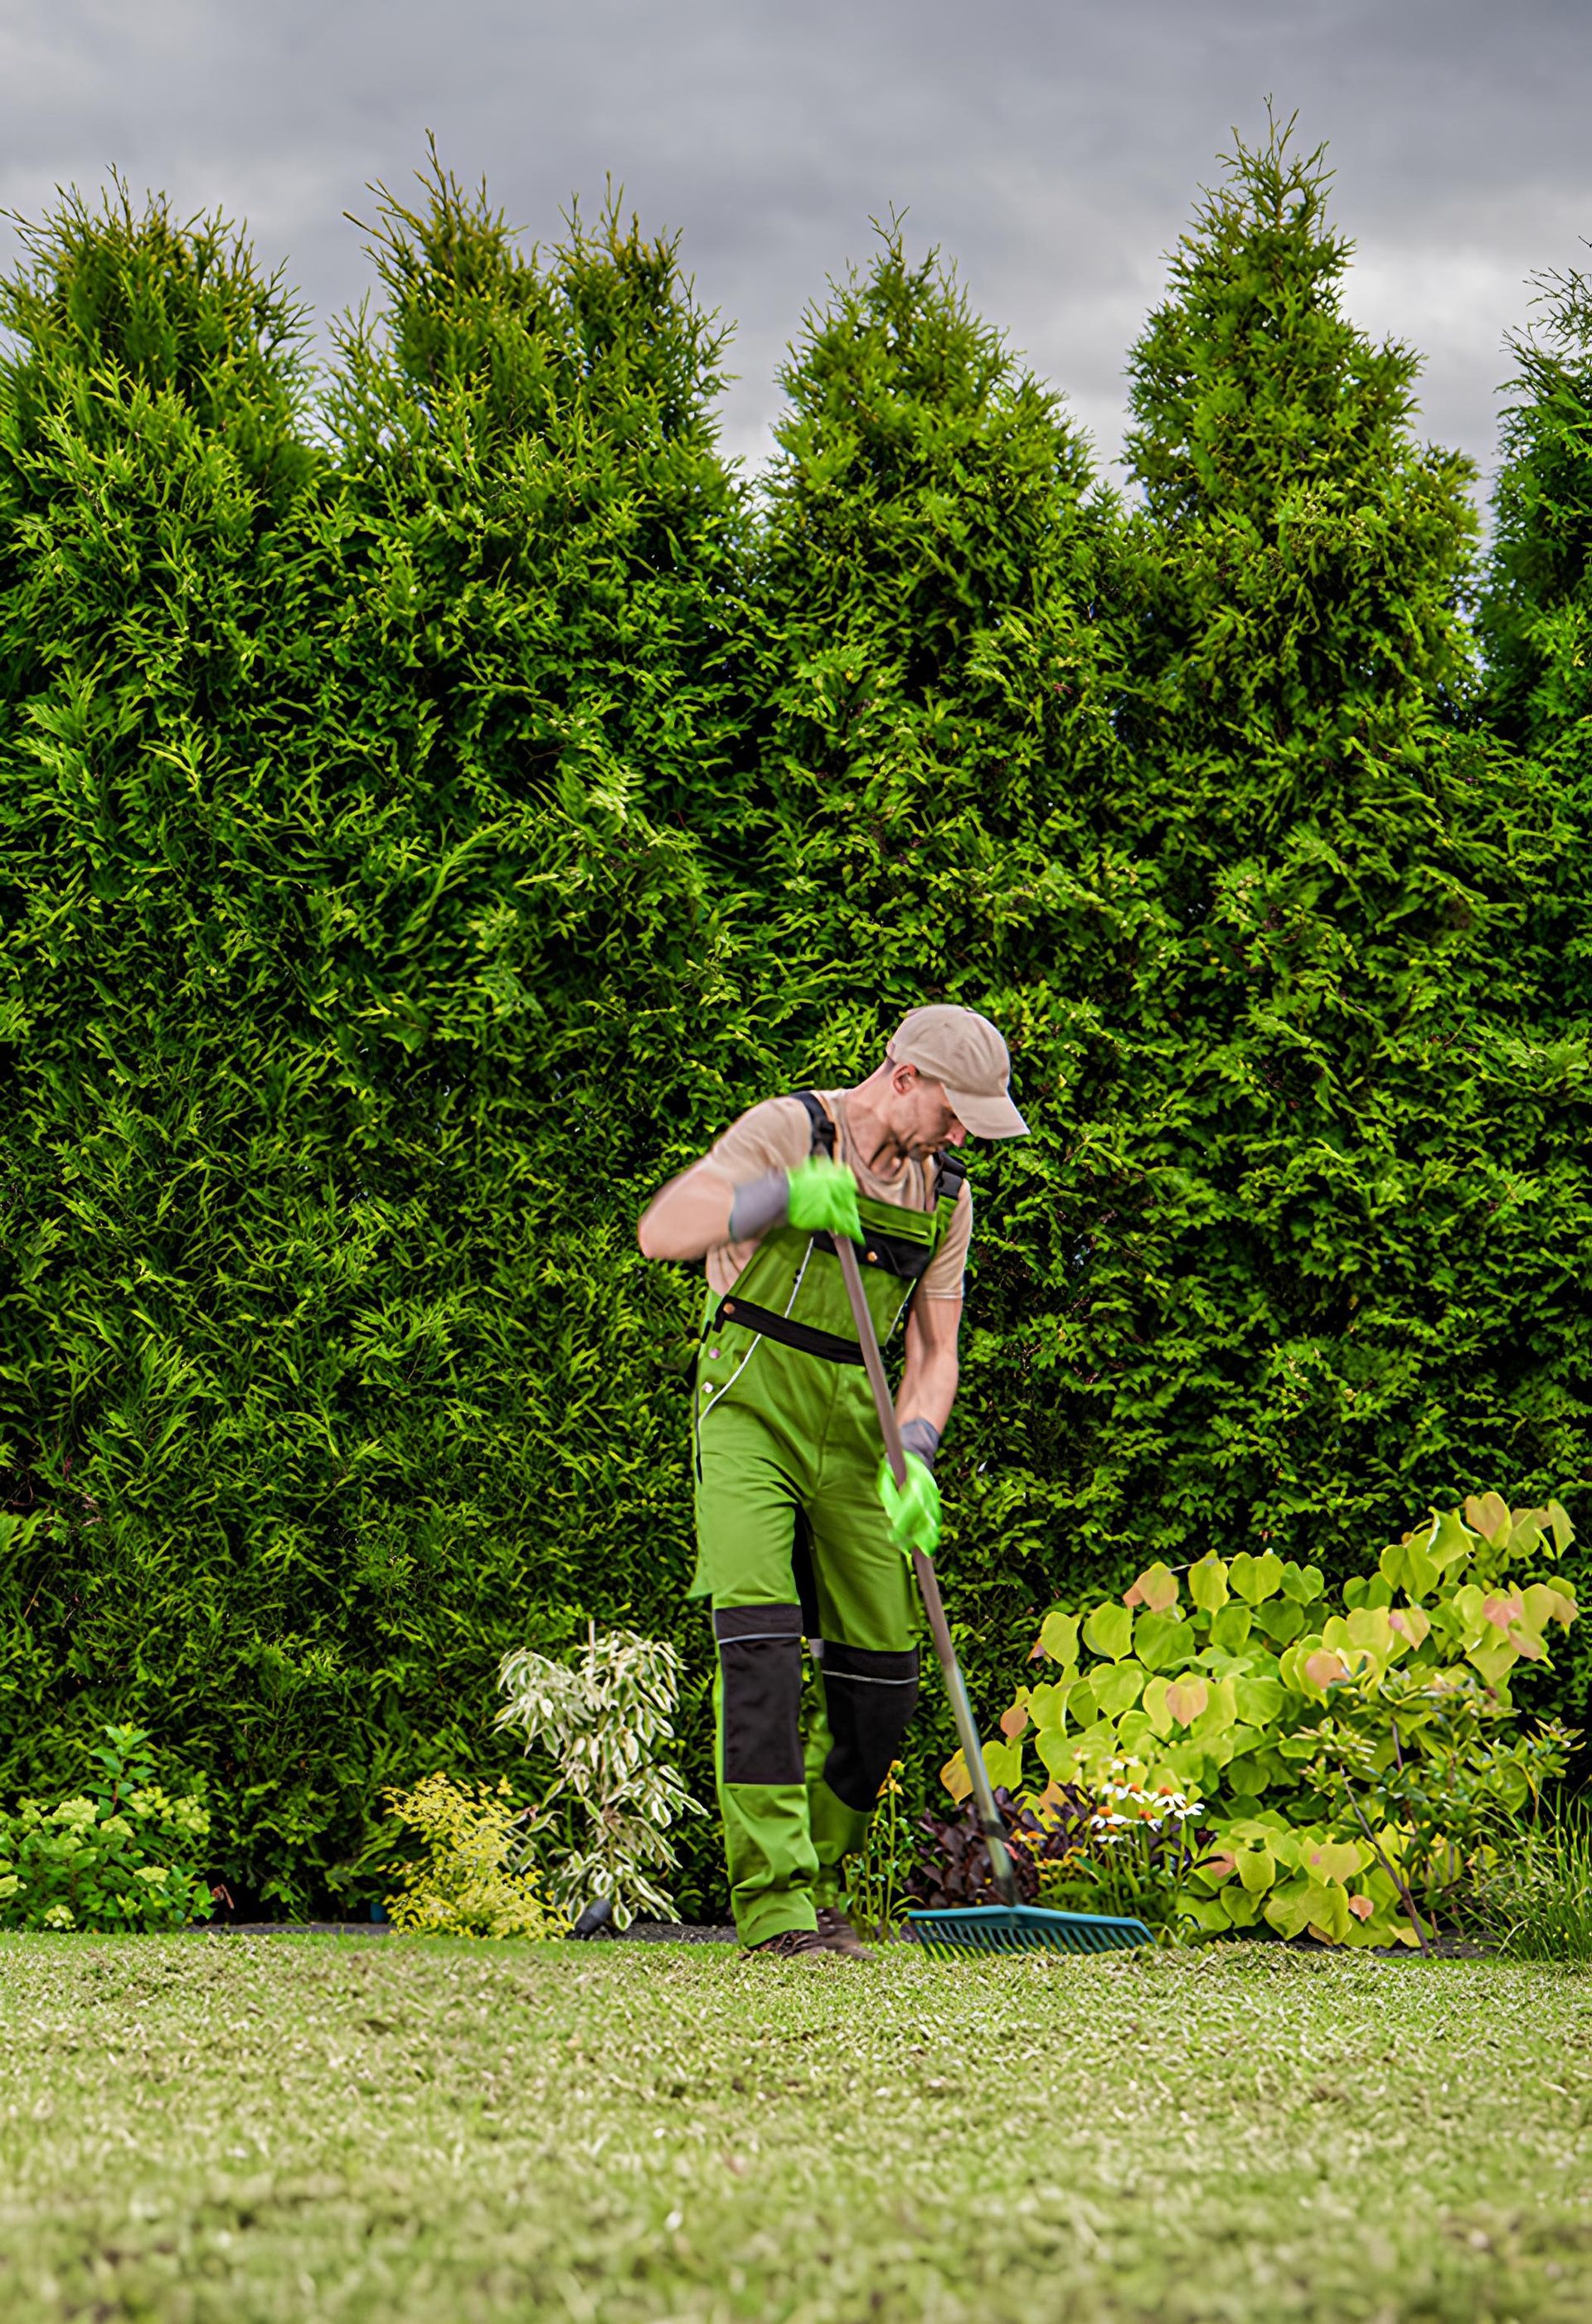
463 1885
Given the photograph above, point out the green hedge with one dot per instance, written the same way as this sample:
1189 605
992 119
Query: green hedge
432 799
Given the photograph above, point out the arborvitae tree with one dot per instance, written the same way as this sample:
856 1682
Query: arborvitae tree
939 762
411 846
150 455
1536 632
1330 1203
542 569
1312 553
1536 616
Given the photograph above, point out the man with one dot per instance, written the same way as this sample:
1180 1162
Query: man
801 1530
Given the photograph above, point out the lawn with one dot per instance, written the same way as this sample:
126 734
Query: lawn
231 2127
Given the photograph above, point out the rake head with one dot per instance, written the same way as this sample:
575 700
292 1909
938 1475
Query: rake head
1021 1929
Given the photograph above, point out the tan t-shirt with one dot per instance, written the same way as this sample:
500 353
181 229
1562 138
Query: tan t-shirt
777 1136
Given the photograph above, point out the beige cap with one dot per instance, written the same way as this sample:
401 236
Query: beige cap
964 1051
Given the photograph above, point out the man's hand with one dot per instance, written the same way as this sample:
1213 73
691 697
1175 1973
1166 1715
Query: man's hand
823 1199
912 1509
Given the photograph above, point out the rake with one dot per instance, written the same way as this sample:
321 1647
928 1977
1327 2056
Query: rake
1009 1927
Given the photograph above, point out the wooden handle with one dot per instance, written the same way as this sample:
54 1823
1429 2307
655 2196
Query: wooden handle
884 1404
928 1582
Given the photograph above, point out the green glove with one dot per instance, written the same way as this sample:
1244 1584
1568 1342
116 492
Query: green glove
824 1198
912 1509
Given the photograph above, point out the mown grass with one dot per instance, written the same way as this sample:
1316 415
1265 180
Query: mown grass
226 2128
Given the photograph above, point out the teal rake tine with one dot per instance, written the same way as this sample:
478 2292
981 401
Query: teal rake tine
1020 1929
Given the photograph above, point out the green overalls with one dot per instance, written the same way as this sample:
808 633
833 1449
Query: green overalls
792 1543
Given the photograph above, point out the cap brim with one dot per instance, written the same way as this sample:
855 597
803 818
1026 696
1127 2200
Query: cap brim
986 1117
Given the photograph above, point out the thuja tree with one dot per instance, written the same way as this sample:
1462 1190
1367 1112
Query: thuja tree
1536 632
151 969
532 971
1328 1203
938 762
411 844
1536 617
348 934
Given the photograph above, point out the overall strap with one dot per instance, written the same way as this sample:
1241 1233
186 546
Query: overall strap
821 1126
950 1170
830 1345
896 1254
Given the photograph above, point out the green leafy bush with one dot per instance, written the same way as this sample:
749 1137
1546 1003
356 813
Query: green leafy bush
470 1881
1355 1760
123 1855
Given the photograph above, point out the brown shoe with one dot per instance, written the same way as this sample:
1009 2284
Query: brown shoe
836 1934
790 1944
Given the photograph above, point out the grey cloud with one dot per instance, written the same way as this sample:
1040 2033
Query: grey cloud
1054 148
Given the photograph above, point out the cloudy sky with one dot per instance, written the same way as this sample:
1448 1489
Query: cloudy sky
1054 147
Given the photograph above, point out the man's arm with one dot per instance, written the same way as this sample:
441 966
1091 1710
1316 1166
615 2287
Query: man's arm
760 1175
690 1216
928 1381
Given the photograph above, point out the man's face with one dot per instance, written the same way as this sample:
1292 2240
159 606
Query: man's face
924 1120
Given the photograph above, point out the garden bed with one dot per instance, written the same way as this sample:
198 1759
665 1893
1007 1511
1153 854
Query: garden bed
425 2132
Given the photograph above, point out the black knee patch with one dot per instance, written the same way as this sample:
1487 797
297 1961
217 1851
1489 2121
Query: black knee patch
869 1698
760 1660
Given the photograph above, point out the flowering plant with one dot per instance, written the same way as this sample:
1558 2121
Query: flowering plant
1106 1844
1134 1853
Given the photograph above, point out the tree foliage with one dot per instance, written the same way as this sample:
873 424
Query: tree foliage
346 924
1320 1144
1536 616
434 798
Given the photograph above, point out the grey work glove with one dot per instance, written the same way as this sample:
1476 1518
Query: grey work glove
922 1437
817 1197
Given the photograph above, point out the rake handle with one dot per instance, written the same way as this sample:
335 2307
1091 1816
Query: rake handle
928 1585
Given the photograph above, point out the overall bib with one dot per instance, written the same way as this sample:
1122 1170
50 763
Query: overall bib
792 1544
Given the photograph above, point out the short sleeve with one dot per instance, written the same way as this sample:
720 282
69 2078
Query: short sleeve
943 1276
773 1135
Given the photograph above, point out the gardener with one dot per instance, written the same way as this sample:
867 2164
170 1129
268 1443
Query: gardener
801 1530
